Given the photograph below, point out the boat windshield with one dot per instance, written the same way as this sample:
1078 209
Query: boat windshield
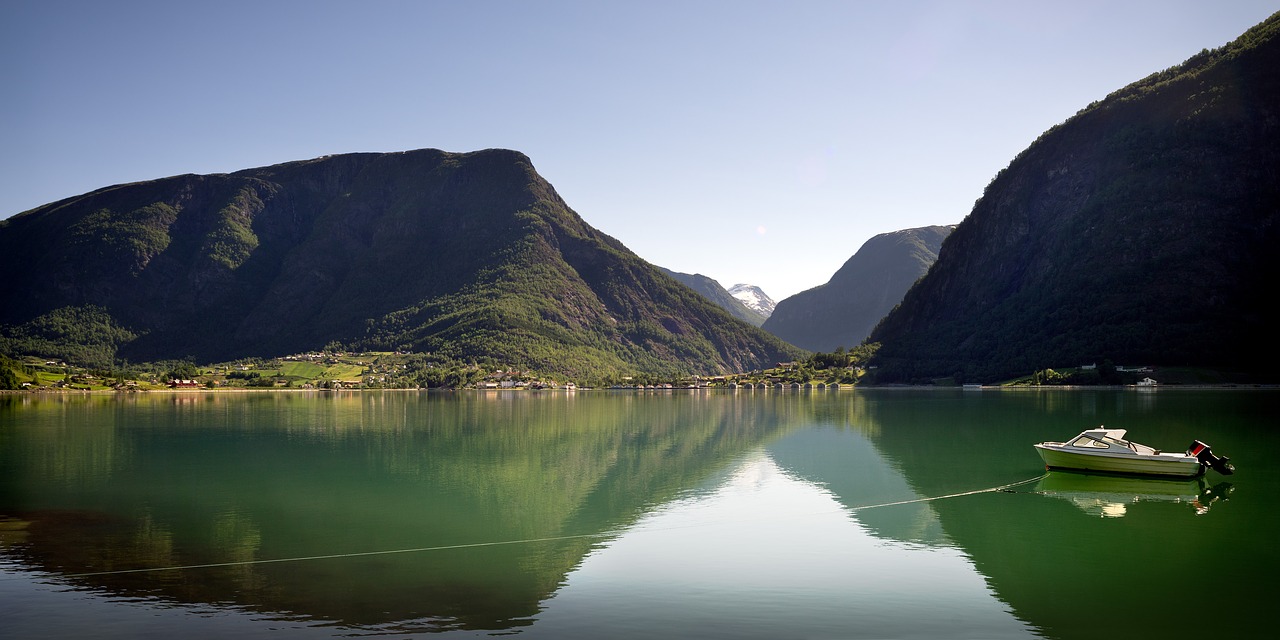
1103 442
1086 441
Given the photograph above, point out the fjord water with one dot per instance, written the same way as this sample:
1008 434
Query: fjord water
765 514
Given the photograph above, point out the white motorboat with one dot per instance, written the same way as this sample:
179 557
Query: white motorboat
1107 450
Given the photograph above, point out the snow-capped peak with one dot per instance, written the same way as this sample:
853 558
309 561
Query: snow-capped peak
753 298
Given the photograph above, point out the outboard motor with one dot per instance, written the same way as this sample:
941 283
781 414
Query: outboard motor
1204 454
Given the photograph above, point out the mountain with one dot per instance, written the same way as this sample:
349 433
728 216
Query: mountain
842 312
715 292
471 257
753 298
1143 230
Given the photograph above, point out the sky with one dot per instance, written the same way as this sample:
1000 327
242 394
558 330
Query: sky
751 141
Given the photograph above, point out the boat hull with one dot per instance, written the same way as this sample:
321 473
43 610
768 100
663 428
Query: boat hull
1166 466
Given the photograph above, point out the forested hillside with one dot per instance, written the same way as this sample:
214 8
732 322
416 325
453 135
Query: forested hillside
1143 230
472 257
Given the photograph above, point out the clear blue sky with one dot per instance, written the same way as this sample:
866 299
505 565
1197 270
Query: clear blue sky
750 141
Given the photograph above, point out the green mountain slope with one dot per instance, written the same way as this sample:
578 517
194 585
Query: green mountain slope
843 311
470 256
712 290
1142 230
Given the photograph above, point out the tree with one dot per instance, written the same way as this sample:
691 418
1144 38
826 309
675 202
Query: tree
8 379
184 370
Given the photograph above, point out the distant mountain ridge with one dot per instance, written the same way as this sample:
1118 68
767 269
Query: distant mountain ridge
842 312
1143 230
715 292
471 256
753 298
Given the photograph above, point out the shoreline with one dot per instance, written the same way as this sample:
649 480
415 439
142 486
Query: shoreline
1017 388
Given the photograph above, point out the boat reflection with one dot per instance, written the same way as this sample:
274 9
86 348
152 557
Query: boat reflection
1110 496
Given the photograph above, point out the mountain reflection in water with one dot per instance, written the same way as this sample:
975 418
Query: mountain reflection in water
764 552
619 515
243 482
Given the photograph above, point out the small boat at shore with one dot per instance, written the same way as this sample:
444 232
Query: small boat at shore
1108 451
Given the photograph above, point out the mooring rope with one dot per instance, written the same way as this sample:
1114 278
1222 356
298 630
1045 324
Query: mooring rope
334 556
1005 488
473 545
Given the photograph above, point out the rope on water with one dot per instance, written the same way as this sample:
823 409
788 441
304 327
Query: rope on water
474 545
1002 488
333 556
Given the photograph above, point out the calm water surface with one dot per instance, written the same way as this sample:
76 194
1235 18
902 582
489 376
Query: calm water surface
628 515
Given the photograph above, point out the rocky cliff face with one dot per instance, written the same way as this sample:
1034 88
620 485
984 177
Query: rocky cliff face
471 255
842 312
1142 230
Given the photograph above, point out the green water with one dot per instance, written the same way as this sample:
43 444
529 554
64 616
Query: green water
763 514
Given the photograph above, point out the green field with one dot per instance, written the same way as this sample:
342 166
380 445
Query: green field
343 371
302 370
